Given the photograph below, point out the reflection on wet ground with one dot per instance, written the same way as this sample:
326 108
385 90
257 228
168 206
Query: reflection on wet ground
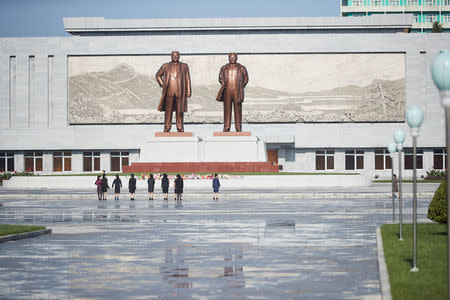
196 249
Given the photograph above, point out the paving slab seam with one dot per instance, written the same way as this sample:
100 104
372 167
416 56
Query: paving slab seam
382 269
13 237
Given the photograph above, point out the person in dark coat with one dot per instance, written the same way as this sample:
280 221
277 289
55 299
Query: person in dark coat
132 186
117 184
151 186
98 183
216 186
165 186
105 186
178 187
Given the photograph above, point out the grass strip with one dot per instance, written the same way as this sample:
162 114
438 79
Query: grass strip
7 229
431 280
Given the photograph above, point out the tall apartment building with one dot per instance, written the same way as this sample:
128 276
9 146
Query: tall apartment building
425 12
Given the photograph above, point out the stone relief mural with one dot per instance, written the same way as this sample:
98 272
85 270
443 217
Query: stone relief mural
282 88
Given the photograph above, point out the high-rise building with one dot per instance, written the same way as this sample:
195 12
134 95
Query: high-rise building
425 12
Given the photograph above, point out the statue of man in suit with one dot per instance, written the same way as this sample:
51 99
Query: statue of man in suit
175 80
233 78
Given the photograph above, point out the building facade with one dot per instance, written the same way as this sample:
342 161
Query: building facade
425 12
325 94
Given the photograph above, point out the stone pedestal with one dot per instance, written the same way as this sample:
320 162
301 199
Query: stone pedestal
168 147
234 147
171 147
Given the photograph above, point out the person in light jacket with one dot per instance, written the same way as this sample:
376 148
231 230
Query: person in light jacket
395 184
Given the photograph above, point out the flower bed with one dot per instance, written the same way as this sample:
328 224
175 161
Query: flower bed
8 175
158 176
436 175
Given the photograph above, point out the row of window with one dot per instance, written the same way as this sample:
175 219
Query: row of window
397 2
354 159
62 161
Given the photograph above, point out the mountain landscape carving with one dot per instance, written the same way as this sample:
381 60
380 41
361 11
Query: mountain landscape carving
123 95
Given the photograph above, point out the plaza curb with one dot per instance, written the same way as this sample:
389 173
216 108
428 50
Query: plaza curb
187 195
13 237
382 269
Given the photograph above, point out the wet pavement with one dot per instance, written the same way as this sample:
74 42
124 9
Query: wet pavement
261 247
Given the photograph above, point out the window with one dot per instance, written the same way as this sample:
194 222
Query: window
417 18
409 158
33 161
358 2
354 159
91 161
382 159
439 159
376 3
446 18
430 2
395 2
446 2
325 160
412 2
118 160
430 18
6 161
62 161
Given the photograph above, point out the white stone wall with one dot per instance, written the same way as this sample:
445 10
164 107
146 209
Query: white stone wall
33 112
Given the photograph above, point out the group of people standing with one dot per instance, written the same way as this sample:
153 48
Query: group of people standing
103 186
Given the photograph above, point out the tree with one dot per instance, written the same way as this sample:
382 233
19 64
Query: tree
437 27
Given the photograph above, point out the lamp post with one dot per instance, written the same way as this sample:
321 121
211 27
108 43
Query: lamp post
414 117
440 71
399 137
392 148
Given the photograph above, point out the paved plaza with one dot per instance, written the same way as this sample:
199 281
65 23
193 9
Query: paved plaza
249 244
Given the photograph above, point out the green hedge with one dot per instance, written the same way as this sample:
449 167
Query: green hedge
437 211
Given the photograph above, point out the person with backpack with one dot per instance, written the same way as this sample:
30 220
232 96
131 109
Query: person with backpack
105 186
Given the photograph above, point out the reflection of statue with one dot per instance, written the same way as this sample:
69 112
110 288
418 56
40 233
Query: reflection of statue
233 78
175 80
176 271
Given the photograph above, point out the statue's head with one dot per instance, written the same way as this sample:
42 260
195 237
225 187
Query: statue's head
232 57
175 56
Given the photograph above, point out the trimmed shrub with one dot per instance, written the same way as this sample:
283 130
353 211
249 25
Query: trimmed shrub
437 210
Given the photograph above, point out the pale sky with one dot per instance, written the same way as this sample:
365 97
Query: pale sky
25 18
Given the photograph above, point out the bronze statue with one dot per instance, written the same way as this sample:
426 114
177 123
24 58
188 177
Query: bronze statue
175 80
233 78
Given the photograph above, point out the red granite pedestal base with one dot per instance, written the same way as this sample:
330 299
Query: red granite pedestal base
201 167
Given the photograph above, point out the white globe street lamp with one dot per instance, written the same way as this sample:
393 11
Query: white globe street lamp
440 71
399 137
414 117
392 148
